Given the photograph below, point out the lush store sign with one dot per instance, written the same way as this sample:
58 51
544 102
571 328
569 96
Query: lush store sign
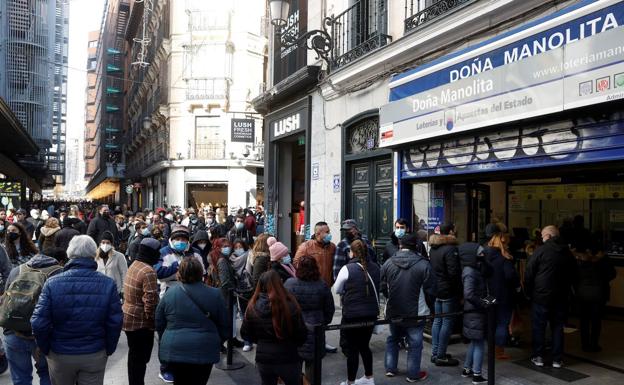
570 59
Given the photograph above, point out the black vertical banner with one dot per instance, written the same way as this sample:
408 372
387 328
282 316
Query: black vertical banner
286 61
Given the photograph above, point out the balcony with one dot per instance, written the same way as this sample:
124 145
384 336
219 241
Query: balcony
358 31
211 150
207 89
419 13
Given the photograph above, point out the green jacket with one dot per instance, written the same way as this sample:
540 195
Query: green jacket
186 334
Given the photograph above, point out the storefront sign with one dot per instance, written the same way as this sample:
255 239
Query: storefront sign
569 59
243 130
565 191
288 121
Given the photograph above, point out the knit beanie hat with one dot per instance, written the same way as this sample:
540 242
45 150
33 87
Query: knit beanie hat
108 236
277 250
271 241
149 251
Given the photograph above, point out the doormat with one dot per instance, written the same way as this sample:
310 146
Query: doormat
562 374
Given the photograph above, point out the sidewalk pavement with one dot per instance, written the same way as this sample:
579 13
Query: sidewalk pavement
514 372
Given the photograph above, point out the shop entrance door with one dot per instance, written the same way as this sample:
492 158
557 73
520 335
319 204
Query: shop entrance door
369 199
471 211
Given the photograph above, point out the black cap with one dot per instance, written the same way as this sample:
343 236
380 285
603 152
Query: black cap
491 229
149 251
107 236
410 241
349 224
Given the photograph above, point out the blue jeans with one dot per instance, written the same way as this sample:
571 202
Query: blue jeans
20 353
474 356
503 318
442 328
555 315
414 334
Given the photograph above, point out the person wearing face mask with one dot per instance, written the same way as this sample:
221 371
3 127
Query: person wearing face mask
321 248
123 232
196 224
139 308
201 244
111 262
239 231
36 221
19 247
244 285
102 223
351 233
400 229
281 261
142 232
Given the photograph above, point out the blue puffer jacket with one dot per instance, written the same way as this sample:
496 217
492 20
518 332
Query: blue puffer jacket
78 311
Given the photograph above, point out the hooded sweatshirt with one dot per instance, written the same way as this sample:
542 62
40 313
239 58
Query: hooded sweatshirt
407 281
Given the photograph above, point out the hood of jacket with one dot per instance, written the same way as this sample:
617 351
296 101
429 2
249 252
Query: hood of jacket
438 240
200 235
404 259
556 244
41 261
263 306
48 231
470 254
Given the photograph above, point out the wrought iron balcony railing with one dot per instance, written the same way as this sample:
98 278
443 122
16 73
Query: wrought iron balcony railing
419 12
207 88
212 150
359 30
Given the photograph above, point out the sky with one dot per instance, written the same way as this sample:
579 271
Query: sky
84 16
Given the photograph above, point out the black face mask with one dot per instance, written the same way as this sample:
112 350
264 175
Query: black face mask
106 215
13 237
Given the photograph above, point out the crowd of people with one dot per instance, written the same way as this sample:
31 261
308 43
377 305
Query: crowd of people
186 275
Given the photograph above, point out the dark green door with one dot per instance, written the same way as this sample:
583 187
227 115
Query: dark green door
369 199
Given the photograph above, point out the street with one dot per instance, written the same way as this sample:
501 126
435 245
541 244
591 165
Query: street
517 371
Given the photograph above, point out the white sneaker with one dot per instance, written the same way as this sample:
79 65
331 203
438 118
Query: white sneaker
557 364
247 348
537 361
365 381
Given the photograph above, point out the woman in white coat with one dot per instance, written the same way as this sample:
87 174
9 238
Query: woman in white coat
111 262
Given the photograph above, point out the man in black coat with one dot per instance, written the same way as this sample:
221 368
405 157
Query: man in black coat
447 270
403 278
65 235
103 222
550 274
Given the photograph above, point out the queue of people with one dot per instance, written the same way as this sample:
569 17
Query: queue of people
186 280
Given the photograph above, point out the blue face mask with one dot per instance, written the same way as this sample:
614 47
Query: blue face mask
146 232
400 233
287 260
226 251
327 238
239 226
180 245
239 252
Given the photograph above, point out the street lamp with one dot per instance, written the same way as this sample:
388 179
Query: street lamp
318 40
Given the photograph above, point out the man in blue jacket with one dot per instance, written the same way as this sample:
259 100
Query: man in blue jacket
78 318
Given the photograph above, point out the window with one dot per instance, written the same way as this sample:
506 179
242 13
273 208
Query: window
93 44
92 64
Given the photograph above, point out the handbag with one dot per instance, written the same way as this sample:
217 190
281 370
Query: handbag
197 305
377 329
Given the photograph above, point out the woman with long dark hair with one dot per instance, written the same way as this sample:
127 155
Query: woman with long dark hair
358 284
20 248
274 322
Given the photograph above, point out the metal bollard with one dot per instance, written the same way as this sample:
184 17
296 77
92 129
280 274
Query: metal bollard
491 344
319 346
229 364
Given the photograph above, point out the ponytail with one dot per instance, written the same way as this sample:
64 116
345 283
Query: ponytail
359 250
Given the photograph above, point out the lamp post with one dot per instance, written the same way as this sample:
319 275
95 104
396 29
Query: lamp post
318 40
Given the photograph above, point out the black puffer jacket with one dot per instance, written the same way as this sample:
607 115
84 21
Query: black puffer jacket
504 281
550 273
446 266
358 298
402 278
317 307
64 236
474 281
257 327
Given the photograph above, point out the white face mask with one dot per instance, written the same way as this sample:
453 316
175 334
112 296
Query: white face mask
106 247
201 245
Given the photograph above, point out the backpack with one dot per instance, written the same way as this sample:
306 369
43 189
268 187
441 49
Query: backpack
19 300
